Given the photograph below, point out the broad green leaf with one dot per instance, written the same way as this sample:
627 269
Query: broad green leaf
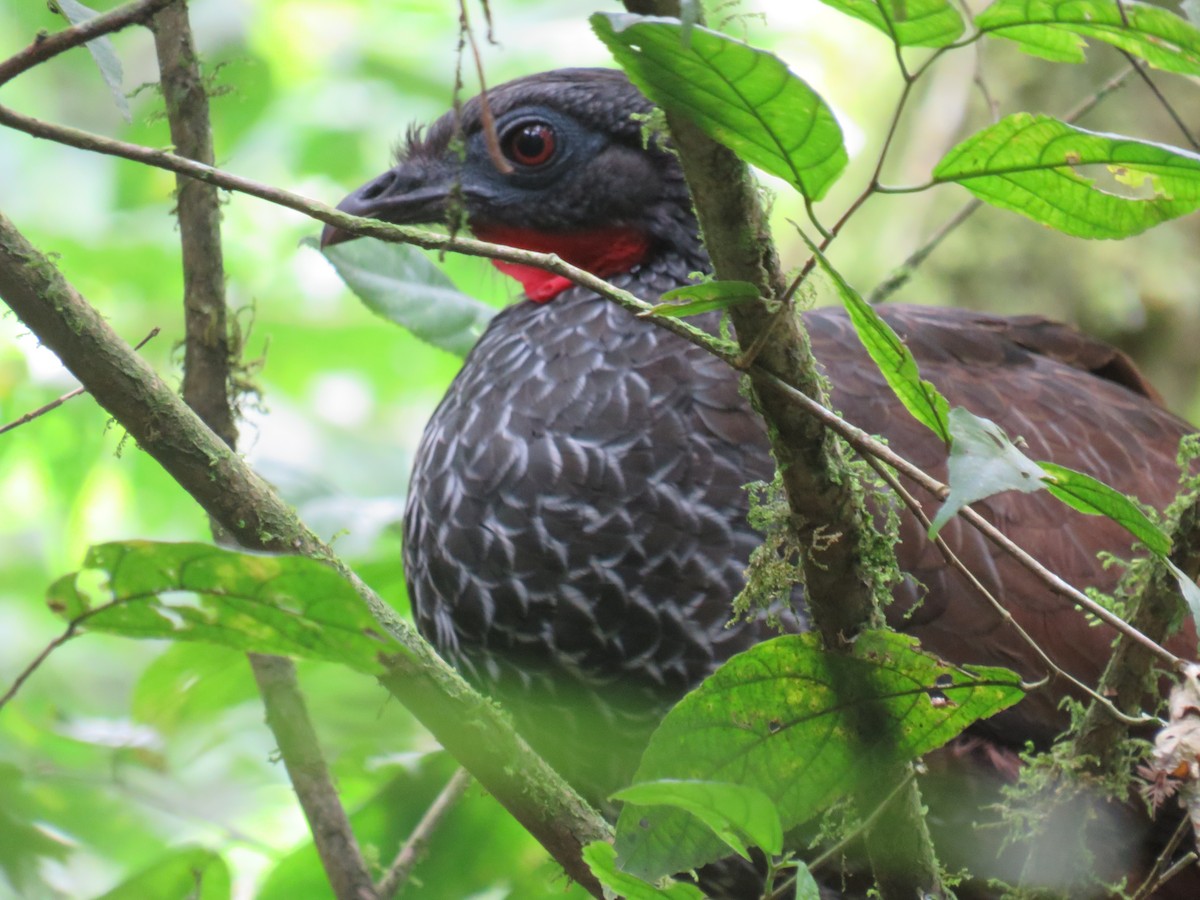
601 858
1086 494
983 461
191 872
285 605
102 52
701 298
1057 29
924 401
780 718
1030 164
736 813
745 98
400 283
915 23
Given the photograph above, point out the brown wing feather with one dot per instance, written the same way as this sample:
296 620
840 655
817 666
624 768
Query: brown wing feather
1074 401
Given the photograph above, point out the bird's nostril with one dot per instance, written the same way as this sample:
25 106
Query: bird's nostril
378 187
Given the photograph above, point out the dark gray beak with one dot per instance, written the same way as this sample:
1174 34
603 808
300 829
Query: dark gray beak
401 196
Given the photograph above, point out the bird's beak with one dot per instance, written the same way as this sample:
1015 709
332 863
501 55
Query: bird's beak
406 195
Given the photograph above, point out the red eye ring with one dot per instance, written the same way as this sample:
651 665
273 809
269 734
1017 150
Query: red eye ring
530 144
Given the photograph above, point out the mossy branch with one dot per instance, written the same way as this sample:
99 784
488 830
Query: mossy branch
468 725
842 583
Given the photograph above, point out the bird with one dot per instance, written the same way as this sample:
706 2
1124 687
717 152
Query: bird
577 521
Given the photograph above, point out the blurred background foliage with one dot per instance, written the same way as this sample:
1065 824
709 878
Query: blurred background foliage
118 757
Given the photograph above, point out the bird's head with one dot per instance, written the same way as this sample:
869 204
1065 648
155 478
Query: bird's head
579 177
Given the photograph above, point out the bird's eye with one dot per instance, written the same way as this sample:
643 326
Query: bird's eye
530 144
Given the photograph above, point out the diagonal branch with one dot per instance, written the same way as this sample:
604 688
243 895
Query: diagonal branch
468 725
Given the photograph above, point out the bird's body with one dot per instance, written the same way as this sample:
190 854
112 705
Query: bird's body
577 521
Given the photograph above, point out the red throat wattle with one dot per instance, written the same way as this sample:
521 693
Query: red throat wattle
603 252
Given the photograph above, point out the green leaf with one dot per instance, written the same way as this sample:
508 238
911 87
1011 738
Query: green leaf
730 810
745 98
1086 494
983 461
897 365
601 858
188 872
399 283
915 23
806 886
1189 589
1029 164
701 298
285 605
1057 29
780 718
102 52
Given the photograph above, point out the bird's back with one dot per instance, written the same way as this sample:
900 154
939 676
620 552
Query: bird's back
577 524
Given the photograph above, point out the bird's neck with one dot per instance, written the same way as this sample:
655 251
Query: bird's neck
603 252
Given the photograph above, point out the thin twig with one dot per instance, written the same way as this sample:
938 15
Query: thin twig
1090 102
1157 877
414 848
300 748
418 237
37 661
487 120
828 236
1161 98
900 275
69 395
45 45
1140 68
865 825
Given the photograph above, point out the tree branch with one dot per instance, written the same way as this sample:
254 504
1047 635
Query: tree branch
207 382
468 725
45 45
300 749
206 362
